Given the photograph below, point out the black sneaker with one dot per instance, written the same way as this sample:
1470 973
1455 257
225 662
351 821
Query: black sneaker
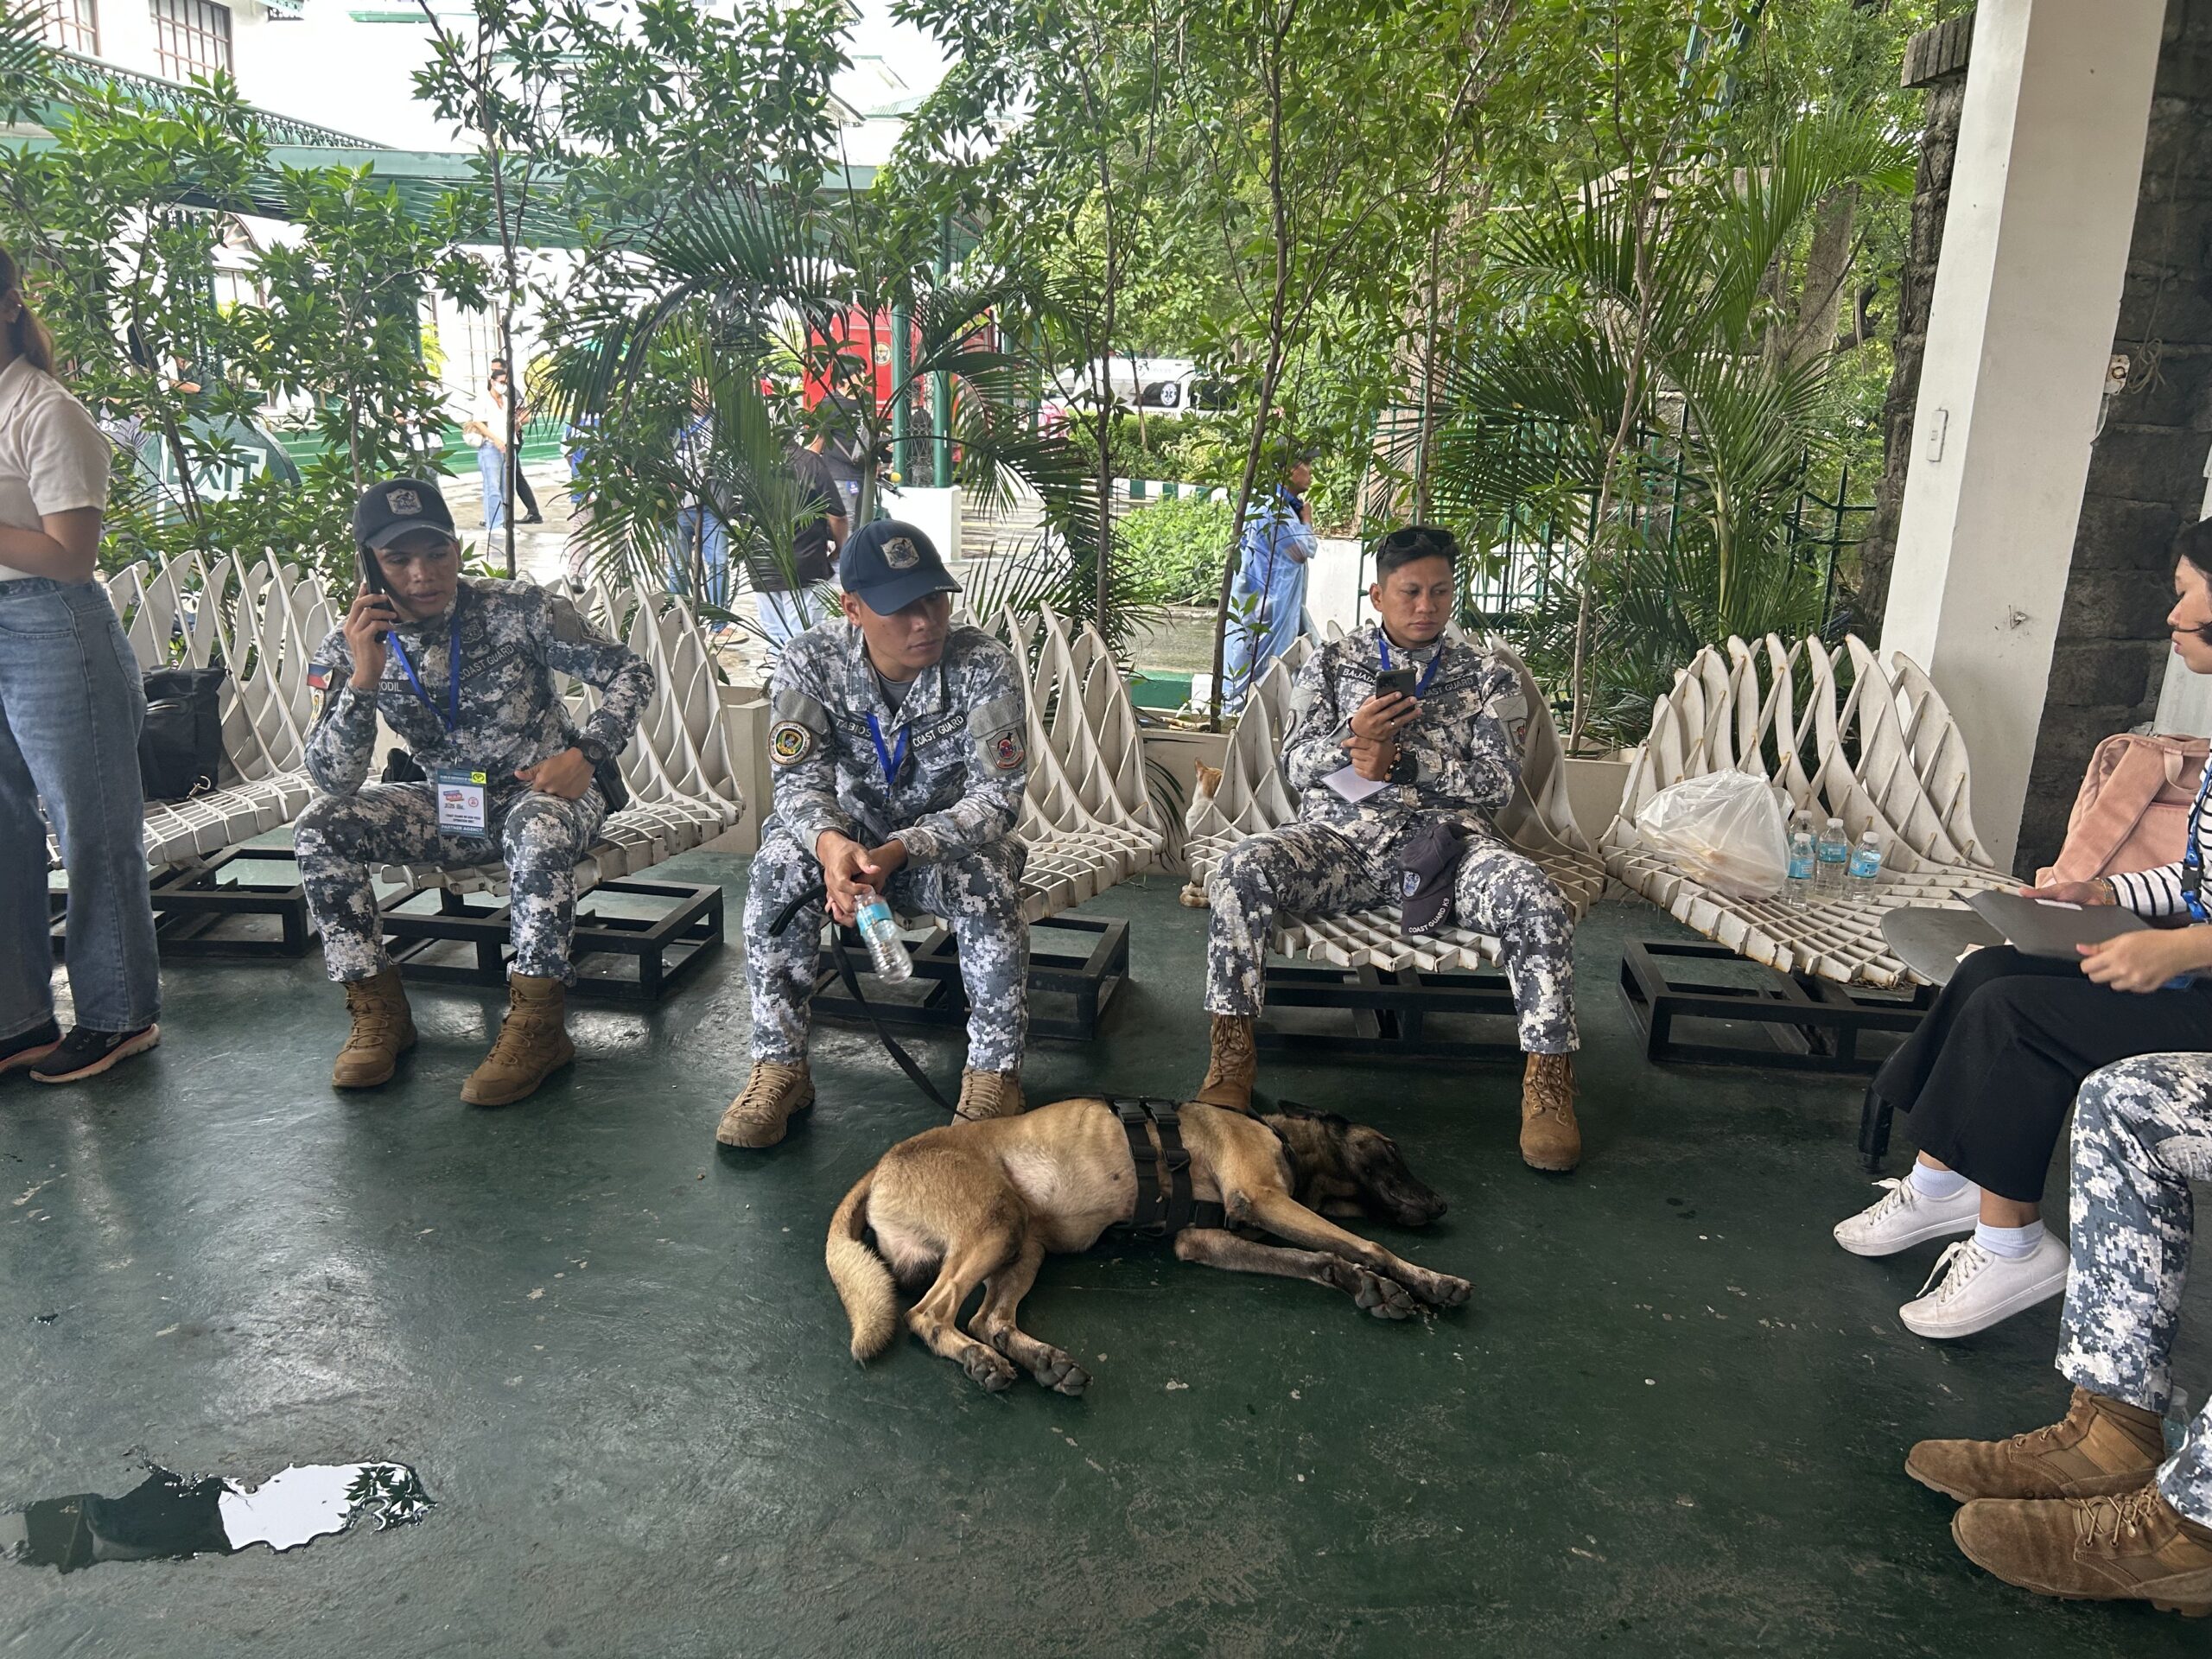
87 1053
29 1048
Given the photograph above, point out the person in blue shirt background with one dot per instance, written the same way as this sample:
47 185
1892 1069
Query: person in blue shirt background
1268 604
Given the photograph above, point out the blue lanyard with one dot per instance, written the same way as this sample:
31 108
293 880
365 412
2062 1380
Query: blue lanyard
1421 685
893 757
2192 856
451 714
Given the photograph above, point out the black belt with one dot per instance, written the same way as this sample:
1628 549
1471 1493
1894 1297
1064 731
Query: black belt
1164 1204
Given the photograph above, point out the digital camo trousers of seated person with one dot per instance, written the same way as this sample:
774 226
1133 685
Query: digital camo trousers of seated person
2142 1132
1311 866
978 893
341 838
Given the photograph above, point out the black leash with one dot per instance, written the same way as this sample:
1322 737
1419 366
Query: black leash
915 1075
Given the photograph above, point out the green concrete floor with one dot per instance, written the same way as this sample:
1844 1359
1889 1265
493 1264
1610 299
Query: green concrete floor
1670 1422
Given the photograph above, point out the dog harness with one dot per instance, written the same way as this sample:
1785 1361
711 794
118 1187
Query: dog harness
1164 1207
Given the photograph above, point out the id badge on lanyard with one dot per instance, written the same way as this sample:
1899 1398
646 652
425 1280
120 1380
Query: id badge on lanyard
460 801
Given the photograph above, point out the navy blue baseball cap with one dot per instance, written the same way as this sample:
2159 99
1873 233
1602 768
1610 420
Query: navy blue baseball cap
890 565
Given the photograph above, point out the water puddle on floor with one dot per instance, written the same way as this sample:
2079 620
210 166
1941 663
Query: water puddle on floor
167 1516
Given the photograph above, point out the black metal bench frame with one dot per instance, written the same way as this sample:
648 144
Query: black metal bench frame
1089 974
1809 1024
667 948
192 902
1390 1010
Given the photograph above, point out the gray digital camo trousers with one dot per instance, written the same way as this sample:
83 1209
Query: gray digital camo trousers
978 894
1311 866
339 838
2142 1132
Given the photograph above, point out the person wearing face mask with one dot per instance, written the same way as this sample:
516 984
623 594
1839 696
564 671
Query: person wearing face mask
1990 1075
463 671
901 760
1395 730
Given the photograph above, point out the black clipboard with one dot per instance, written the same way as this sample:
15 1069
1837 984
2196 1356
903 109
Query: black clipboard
2038 927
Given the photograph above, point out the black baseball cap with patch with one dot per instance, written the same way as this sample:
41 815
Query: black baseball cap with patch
889 564
1426 866
388 511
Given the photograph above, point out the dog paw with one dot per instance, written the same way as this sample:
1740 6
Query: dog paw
1063 1376
989 1368
1444 1291
1386 1299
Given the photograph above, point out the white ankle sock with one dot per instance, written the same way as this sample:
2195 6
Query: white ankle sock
2013 1244
1932 1183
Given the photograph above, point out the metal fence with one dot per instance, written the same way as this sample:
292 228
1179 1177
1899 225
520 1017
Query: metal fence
1526 555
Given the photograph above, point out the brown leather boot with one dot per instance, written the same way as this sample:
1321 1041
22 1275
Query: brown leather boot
1550 1138
2101 1446
383 1029
2132 1546
1234 1063
775 1091
988 1094
533 1041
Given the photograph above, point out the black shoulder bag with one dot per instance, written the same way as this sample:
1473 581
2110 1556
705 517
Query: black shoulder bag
180 745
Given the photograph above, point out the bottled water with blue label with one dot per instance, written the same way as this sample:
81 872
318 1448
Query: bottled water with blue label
1799 889
1866 857
1834 854
886 951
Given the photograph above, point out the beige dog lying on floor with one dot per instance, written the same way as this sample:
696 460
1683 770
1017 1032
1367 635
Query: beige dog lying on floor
981 1203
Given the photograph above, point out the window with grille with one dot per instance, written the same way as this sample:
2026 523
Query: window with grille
191 37
71 25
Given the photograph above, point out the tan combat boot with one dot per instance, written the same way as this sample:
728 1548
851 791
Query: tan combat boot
776 1091
2101 1446
1234 1063
988 1093
533 1041
2132 1546
383 1029
1550 1139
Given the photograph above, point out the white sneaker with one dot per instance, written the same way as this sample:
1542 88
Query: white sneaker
1980 1290
1904 1216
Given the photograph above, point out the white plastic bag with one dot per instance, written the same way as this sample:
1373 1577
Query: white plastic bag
1725 829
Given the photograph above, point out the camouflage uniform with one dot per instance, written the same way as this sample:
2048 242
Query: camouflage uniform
957 794
1343 856
514 637
2142 1132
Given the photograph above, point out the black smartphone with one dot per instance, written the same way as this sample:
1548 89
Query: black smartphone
1400 680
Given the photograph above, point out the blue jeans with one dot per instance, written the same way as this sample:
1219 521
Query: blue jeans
493 467
698 531
70 704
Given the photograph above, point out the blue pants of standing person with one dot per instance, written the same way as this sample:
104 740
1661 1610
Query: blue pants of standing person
493 467
784 616
70 704
1267 610
701 536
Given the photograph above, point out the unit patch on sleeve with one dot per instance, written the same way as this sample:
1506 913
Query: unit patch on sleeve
790 743
1007 751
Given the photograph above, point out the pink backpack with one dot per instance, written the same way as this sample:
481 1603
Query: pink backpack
2133 812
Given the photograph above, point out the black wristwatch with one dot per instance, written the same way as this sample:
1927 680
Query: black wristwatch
1406 768
592 750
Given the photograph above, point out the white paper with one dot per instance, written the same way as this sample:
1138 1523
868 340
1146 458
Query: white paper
1347 782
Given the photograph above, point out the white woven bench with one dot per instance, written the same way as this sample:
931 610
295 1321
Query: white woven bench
1883 754
1253 798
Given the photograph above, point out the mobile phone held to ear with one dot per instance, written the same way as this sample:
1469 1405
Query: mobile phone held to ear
371 571
1394 680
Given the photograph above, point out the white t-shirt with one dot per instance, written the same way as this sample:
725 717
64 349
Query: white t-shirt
490 414
53 459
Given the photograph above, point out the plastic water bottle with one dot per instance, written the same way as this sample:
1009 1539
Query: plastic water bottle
886 951
1799 889
1834 854
1866 858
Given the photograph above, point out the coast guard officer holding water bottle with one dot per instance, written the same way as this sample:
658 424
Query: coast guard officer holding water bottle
899 746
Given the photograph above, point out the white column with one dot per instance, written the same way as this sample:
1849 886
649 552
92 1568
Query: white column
2020 331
